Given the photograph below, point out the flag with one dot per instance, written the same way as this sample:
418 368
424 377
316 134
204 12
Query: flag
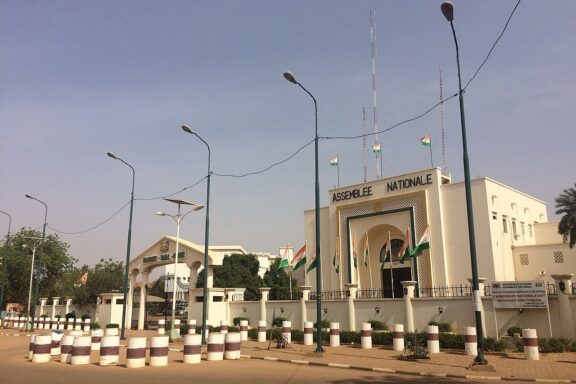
336 259
312 264
366 252
404 251
284 261
354 251
84 278
334 161
300 258
425 140
423 244
376 147
387 254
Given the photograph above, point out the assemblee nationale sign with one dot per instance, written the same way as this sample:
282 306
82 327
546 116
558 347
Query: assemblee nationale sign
519 294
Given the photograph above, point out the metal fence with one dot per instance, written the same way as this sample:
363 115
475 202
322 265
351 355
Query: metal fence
331 295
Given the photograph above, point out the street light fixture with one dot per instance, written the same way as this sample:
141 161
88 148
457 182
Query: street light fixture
174 334
448 12
189 130
39 263
31 275
123 333
4 261
291 78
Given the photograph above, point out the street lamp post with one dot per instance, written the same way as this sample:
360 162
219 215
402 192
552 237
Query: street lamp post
178 219
4 261
291 78
123 333
39 263
31 277
448 12
187 129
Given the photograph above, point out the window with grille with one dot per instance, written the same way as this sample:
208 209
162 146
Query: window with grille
558 257
524 259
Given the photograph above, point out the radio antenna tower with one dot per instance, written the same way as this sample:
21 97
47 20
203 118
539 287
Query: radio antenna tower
442 124
364 142
376 148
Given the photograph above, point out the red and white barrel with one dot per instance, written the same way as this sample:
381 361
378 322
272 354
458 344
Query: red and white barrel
66 348
54 324
42 347
206 332
39 323
287 330
60 323
308 333
111 332
177 323
262 331
192 348
215 347
56 349
334 334
191 326
78 324
243 330
398 337
109 350
96 339
161 327
366 336
136 352
69 324
470 341
232 342
530 343
224 326
87 325
81 350
159 351
432 339
31 346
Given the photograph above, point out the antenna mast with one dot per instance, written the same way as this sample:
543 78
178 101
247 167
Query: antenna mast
364 142
442 124
376 148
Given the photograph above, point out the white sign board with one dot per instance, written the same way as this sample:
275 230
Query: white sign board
520 294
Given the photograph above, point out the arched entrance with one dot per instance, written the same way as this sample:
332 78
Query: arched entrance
394 272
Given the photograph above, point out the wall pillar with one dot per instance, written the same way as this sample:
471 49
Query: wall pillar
408 310
305 296
264 292
68 304
353 289
210 276
55 302
564 291
142 306
130 303
43 301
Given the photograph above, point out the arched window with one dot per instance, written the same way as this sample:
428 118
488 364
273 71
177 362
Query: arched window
396 245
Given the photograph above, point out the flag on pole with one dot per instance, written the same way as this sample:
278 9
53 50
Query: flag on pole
387 254
84 278
404 251
312 264
336 259
423 244
334 161
366 251
376 147
425 140
284 261
354 251
300 258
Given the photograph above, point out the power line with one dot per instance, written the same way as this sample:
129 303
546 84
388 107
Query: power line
175 193
94 227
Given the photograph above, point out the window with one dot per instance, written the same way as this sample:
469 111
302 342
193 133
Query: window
494 216
522 228
514 232
558 257
524 259
530 229
504 224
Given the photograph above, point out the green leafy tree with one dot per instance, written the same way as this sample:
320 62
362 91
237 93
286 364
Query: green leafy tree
105 276
566 206
279 282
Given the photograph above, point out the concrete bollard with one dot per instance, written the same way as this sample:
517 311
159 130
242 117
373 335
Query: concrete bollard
66 348
366 336
136 352
60 323
262 331
42 347
232 342
159 351
470 341
111 332
54 324
177 323
308 333
398 337
224 326
109 350
78 324
432 339
161 327
69 324
191 326
192 348
243 330
287 330
96 339
39 323
56 349
530 342
215 347
81 349
31 346
334 334
86 326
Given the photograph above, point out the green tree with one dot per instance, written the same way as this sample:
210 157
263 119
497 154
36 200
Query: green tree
105 276
279 282
566 206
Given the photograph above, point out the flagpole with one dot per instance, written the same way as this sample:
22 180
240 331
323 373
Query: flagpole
391 274
431 159
339 262
369 265
306 263
338 169
290 277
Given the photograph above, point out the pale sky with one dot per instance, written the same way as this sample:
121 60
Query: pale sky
80 78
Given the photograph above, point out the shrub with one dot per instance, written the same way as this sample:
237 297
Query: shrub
515 329
554 345
84 317
324 324
382 338
70 315
94 326
253 334
184 329
442 327
236 320
378 325
451 341
277 321
349 337
112 325
297 335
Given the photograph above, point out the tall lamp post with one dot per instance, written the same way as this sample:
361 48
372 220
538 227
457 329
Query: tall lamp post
39 263
178 219
448 12
123 333
291 78
187 129
31 274
4 261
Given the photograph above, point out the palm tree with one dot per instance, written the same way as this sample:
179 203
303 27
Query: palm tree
566 206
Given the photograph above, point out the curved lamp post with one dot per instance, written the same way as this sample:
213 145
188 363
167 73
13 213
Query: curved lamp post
39 263
187 129
5 261
448 12
123 329
291 78
31 275
178 219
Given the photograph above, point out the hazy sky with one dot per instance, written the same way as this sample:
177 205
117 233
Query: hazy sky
80 78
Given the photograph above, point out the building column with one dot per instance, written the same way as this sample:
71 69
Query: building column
564 291
142 306
55 302
210 277
305 297
228 292
264 292
43 301
130 303
68 304
352 289
408 310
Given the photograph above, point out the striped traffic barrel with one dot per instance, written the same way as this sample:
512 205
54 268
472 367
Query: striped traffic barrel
398 337
470 341
530 343
366 336
109 350
66 348
215 347
334 334
136 352
432 339
192 348
243 330
232 346
81 349
191 326
287 330
159 351
42 347
308 333
262 331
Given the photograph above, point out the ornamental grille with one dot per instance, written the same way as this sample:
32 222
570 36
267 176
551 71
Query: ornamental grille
558 257
524 259
416 201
